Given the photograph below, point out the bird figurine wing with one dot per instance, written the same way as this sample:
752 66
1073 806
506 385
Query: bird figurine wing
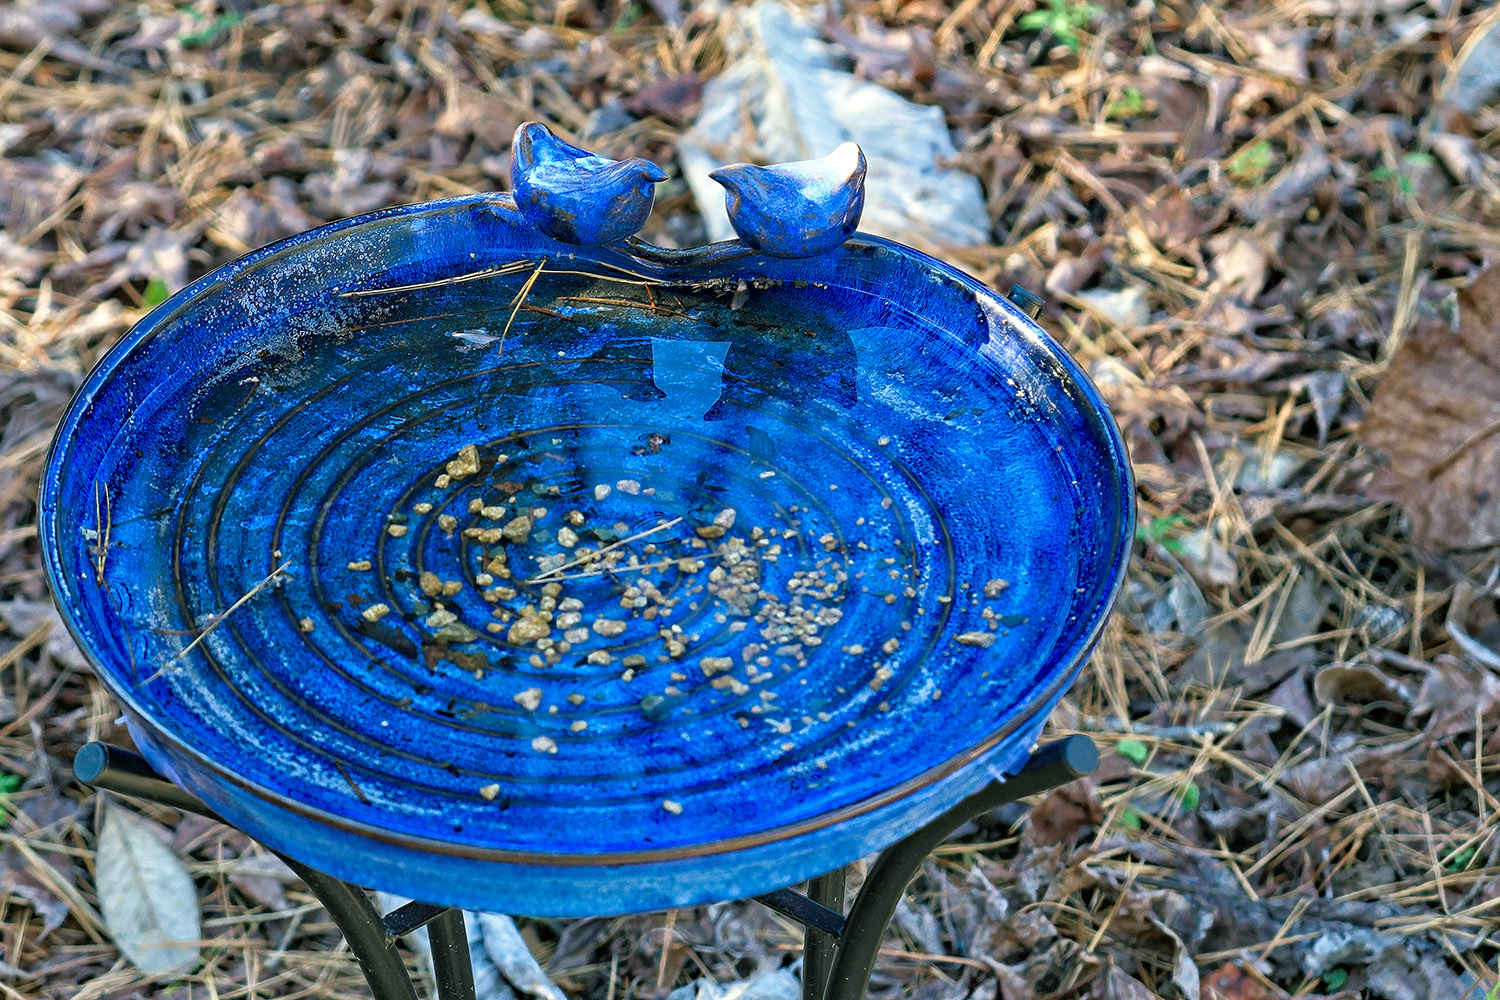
797 209
576 196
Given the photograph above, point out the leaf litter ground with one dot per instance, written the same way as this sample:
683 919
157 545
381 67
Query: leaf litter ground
1254 223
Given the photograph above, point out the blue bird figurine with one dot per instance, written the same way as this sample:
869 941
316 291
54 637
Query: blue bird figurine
796 209
576 196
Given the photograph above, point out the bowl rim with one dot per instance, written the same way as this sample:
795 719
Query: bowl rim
1026 712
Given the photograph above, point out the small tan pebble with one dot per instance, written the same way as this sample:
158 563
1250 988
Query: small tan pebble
490 536
788 747
890 598
476 505
528 628
576 635
422 508
530 699
608 627
578 725
733 684
601 657
396 530
375 612
544 744
466 463
725 518
673 807
537 513
517 529
628 676
360 565
709 531
493 513
677 675
494 628
890 646
576 699
447 522
716 665
630 486
441 617
635 660
570 604
884 706
452 587
828 541
601 491
993 588
430 584
937 695
306 625
882 441
768 474
854 650
567 537
567 619
488 792
984 640
882 674
443 481
575 518
551 709
887 503
483 579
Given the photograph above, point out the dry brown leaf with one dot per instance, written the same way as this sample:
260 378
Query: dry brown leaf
1058 817
1436 421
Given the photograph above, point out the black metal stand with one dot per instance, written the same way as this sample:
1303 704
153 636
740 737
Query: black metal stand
839 952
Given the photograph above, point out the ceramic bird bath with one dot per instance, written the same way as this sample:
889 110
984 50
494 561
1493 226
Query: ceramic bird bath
480 551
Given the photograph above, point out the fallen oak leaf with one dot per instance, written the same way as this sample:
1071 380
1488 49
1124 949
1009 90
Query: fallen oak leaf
1436 421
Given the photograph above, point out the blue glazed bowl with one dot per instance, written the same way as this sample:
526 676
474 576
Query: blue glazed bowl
455 561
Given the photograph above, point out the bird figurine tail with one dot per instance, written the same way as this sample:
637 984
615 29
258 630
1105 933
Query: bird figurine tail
576 196
797 209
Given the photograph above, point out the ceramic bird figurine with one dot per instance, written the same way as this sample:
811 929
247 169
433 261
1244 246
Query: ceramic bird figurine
796 209
576 196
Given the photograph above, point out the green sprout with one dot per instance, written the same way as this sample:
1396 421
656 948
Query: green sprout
1190 796
156 292
208 32
1250 166
1133 750
1459 860
8 783
1062 19
1130 103
1411 163
1335 978
1158 531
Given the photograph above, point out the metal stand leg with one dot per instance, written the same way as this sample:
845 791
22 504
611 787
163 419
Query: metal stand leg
450 956
1053 765
839 952
818 946
127 773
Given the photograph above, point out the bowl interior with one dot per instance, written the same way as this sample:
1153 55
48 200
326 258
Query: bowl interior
423 522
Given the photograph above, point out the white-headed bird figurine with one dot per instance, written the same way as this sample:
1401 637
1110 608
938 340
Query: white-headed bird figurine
576 196
797 209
